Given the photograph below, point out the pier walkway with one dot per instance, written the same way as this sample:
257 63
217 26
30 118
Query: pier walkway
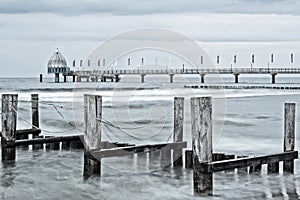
114 75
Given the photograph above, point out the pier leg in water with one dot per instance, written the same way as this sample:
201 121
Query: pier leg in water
202 78
171 77
92 134
41 78
289 135
56 77
74 78
236 77
65 78
143 78
9 124
201 118
273 77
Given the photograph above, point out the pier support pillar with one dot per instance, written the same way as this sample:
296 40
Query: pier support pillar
92 134
201 118
96 78
171 77
65 78
56 77
41 78
236 77
143 78
289 135
178 129
273 77
202 77
9 124
117 78
74 78
78 78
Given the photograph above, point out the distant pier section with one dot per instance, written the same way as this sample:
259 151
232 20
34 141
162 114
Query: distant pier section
115 75
57 65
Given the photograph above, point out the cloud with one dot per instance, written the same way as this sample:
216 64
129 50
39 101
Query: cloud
202 27
133 7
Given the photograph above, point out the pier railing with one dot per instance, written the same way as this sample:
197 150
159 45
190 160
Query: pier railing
189 71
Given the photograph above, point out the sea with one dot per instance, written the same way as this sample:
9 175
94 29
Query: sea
246 122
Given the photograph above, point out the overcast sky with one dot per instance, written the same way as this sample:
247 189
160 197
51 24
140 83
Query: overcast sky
30 30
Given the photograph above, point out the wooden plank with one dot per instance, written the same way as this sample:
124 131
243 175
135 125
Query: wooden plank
121 151
178 129
289 135
44 140
251 161
201 117
9 124
92 134
25 132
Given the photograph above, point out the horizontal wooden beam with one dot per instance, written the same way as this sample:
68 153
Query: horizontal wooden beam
121 151
44 140
33 131
251 161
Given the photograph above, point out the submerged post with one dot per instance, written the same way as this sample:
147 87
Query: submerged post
289 135
9 124
92 134
178 129
201 118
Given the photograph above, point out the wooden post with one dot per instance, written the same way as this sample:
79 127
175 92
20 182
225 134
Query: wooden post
255 169
242 170
188 159
35 118
41 78
289 135
178 129
201 118
165 156
273 168
35 110
9 124
92 134
65 145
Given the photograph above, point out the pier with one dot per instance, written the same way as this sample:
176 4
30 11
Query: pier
202 158
115 75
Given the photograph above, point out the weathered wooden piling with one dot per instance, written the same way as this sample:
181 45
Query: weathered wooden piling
201 118
255 169
188 159
289 135
35 118
242 170
165 156
92 134
65 145
273 168
9 124
178 129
